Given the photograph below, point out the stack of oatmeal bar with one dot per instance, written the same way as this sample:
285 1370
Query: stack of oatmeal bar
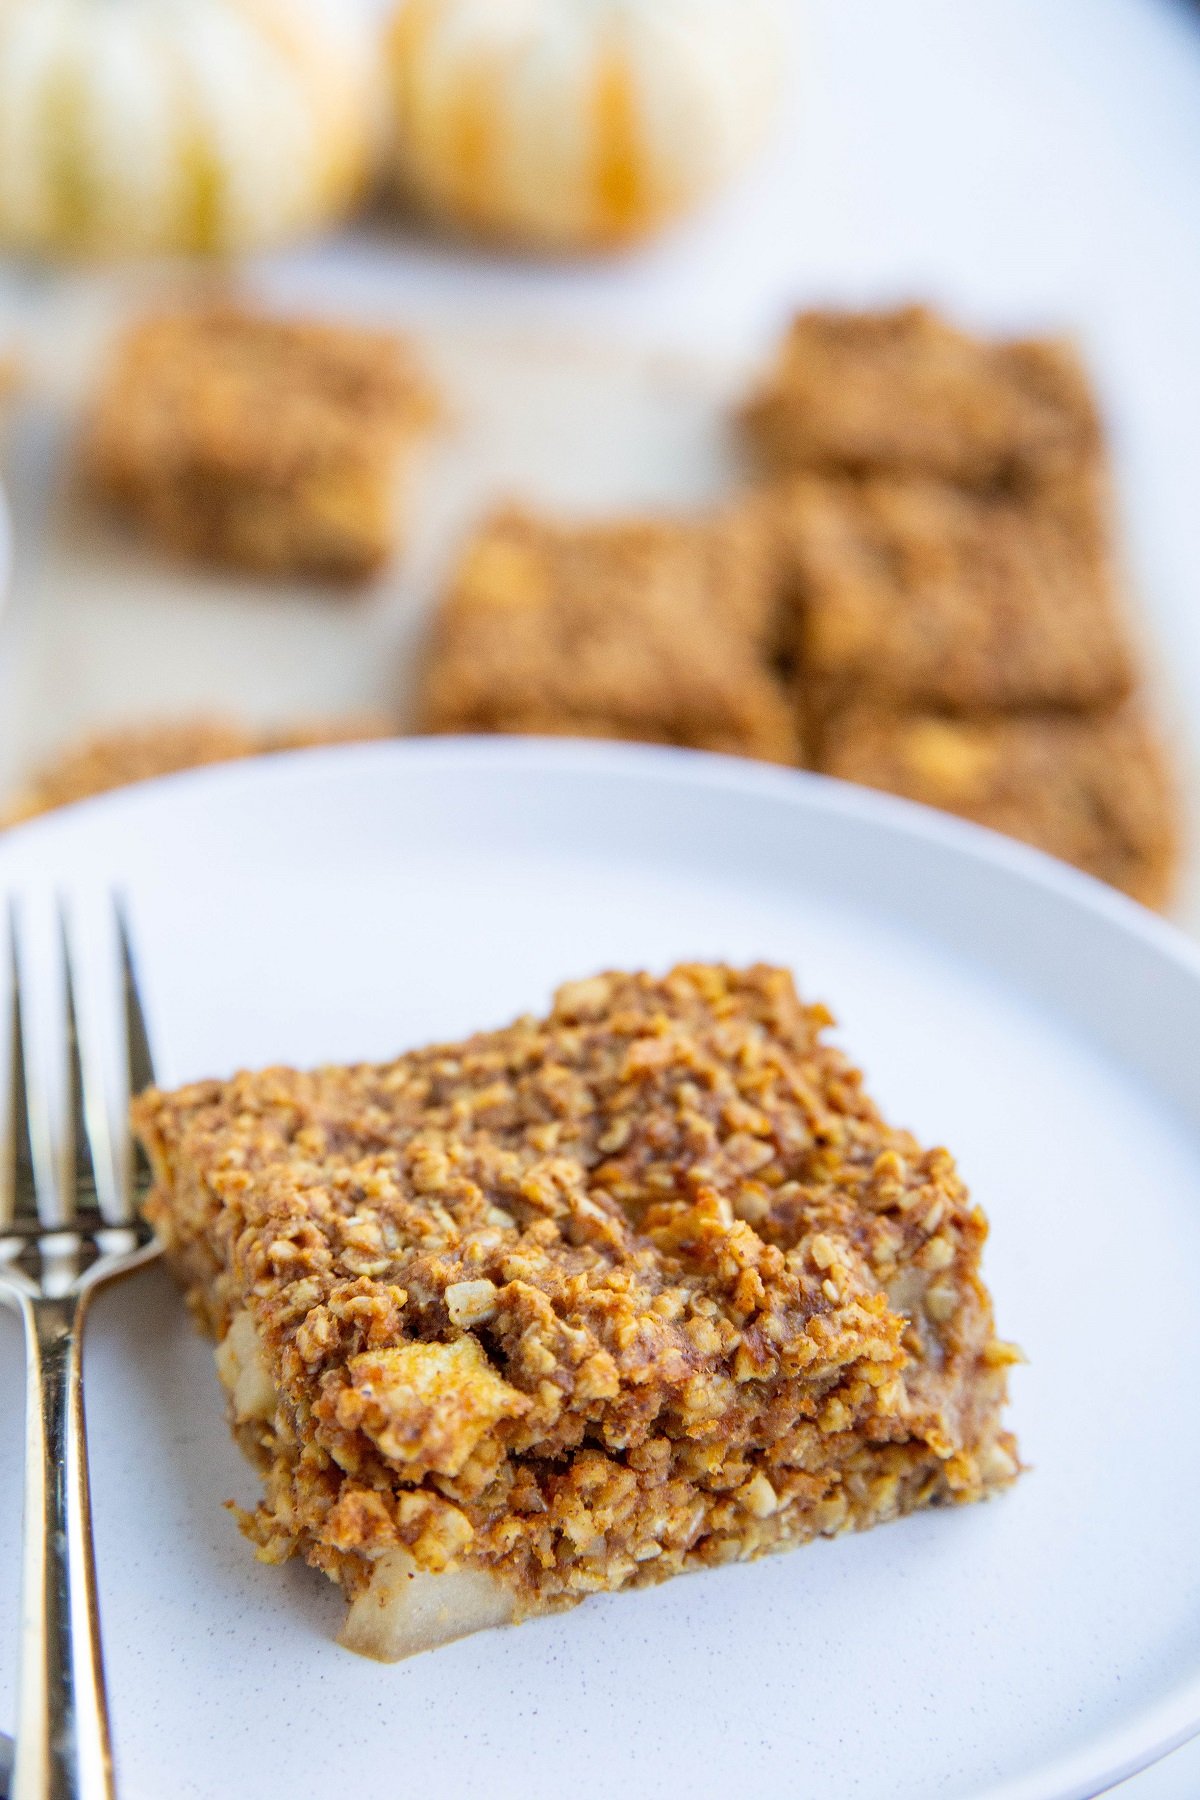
917 590
951 606
919 594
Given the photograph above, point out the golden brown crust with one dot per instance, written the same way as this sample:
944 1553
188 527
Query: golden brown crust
589 1300
905 392
914 593
1093 790
130 753
271 444
647 629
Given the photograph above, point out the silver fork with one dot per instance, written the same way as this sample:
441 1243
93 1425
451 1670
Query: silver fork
68 1223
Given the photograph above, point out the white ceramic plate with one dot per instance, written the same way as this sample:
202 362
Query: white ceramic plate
350 903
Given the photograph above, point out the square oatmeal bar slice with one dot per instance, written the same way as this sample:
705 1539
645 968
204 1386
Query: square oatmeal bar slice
648 629
906 392
918 594
270 444
644 1286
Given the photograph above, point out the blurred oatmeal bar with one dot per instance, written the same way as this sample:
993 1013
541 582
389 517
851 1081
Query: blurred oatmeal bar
650 629
1092 789
271 444
916 593
907 392
952 612
642 1287
130 753
11 379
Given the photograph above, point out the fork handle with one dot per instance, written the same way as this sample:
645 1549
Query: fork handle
62 1740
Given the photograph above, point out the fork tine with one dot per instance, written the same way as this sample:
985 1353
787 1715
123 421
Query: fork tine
75 1162
138 1061
137 1038
13 1131
36 1169
91 1143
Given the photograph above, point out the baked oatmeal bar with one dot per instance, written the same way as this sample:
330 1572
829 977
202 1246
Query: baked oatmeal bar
1093 790
129 753
905 391
642 1287
271 444
920 594
647 629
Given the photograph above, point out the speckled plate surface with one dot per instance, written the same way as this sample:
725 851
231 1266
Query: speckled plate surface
350 903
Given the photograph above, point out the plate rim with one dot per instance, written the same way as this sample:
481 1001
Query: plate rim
702 768
1163 1725
828 794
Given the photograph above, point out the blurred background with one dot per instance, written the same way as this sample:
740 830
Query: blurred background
590 227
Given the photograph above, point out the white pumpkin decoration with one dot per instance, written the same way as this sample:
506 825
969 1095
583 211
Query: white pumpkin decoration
576 122
136 125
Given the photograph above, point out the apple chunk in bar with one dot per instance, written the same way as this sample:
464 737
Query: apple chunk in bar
642 1287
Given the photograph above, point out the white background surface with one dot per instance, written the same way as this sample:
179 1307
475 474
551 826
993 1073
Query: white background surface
1025 163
